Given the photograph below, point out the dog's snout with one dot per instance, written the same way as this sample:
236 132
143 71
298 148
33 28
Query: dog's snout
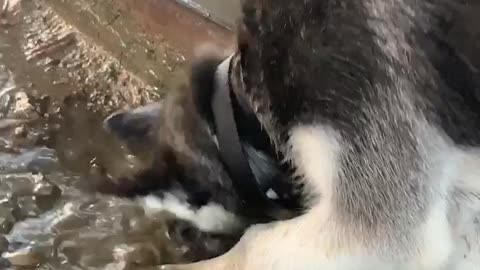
136 124
127 127
114 122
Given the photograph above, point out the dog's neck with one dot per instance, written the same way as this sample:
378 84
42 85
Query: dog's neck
254 152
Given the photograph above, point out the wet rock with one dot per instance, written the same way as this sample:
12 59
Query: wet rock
16 245
8 123
41 159
41 186
40 181
29 188
86 248
7 220
70 222
26 257
5 263
44 160
13 185
46 195
28 207
20 131
3 244
10 206
22 107
5 101
47 190
137 254
6 224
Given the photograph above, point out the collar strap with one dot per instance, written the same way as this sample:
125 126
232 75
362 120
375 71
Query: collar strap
231 150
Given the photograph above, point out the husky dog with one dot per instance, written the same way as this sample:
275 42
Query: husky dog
374 108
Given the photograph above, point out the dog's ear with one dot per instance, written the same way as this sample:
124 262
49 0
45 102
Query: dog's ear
252 11
254 4
244 37
135 125
248 30
202 81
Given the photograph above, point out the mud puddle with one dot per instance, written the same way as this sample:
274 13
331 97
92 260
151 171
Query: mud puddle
55 88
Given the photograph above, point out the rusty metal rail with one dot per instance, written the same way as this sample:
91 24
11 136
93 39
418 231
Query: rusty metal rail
187 23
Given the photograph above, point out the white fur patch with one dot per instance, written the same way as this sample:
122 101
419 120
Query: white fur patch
314 150
209 218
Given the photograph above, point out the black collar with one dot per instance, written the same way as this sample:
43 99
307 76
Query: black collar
232 153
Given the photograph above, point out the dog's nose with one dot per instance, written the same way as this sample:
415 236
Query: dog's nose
115 122
134 124
126 126
121 125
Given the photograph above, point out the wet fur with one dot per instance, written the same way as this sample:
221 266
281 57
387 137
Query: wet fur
375 105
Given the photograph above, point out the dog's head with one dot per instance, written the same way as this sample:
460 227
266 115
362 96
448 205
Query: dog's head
182 167
181 171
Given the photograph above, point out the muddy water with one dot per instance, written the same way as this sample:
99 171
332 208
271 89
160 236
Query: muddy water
55 88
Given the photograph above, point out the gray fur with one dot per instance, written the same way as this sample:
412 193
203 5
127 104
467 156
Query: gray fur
374 72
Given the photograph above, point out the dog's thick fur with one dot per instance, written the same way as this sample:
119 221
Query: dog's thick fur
375 104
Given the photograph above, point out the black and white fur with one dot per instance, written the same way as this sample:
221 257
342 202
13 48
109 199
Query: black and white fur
375 106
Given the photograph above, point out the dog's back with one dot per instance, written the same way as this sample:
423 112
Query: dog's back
375 104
